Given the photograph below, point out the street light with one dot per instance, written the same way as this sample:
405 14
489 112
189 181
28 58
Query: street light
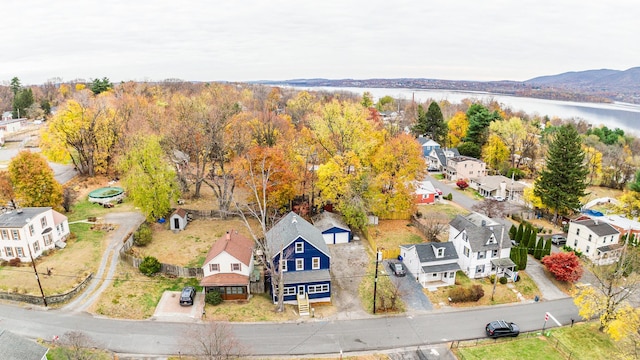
33 263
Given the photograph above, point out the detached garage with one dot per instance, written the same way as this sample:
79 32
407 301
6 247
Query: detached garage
333 229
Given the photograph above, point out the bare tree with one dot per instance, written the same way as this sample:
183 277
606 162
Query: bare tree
212 341
490 207
77 345
434 226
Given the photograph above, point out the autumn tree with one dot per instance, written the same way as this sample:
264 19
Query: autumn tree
625 331
149 180
490 207
511 132
367 100
613 286
301 107
33 182
593 160
561 185
495 153
458 126
7 196
565 266
212 341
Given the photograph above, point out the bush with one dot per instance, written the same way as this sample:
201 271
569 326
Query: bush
465 294
516 217
492 278
213 298
149 266
14 262
449 196
503 280
142 236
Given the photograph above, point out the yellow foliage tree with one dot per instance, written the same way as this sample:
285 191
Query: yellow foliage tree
593 158
629 203
511 132
458 126
495 153
532 199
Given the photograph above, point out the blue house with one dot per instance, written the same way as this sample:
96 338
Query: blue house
333 229
306 260
427 145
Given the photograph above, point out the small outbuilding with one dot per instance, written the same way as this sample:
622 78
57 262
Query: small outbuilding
178 220
333 228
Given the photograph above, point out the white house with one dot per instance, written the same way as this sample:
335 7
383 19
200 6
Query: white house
333 228
28 232
228 266
14 346
483 246
596 239
432 264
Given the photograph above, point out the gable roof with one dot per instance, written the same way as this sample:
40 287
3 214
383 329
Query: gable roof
233 244
180 212
479 229
492 182
13 346
291 227
18 218
426 252
598 227
427 142
58 218
425 187
327 220
463 158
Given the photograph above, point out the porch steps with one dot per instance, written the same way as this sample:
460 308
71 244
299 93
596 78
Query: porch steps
303 304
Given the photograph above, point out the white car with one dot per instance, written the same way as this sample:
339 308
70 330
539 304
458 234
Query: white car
499 198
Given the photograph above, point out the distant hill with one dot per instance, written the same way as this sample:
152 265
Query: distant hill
604 85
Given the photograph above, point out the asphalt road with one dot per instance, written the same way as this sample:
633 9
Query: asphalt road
301 338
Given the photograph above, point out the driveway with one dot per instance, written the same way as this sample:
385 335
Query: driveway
410 290
348 267
169 308
548 291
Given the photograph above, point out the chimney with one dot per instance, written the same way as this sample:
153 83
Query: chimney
228 235
294 220
484 223
595 221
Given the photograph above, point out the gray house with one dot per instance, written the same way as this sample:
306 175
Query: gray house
15 347
433 264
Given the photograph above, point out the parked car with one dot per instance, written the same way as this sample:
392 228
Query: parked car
558 240
397 269
439 191
501 328
187 295
498 198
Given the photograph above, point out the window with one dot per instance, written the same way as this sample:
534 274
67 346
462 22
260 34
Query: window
5 234
47 239
445 275
434 274
289 290
19 252
284 265
575 243
465 237
30 229
493 267
587 251
235 267
452 275
494 253
440 252
43 222
235 290
8 251
15 234
479 269
36 246
466 252
481 254
315 263
589 237
214 267
313 289
299 247
578 231
299 264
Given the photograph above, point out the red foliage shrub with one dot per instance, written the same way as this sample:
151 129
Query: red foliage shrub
564 266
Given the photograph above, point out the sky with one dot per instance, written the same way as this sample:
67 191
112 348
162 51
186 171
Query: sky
152 40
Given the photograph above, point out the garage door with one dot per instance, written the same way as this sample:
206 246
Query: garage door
328 238
342 238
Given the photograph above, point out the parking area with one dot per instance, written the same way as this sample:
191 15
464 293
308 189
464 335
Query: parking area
348 268
410 290
169 308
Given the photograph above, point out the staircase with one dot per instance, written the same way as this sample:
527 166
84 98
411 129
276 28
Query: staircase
303 304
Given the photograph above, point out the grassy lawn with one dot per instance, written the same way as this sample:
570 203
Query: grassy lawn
390 234
448 209
583 341
504 294
387 287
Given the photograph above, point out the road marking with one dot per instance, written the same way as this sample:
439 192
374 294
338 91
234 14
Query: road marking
554 319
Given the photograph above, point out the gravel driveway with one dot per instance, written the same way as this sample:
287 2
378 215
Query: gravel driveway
348 268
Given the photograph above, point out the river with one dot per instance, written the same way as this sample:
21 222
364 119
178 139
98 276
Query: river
613 115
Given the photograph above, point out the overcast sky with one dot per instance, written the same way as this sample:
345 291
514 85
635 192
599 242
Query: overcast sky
236 40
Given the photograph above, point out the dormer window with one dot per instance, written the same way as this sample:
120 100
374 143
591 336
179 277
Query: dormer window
440 252
492 240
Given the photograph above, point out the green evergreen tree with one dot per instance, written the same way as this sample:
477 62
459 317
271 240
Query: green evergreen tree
513 231
431 123
468 148
561 185
21 101
98 86
537 253
519 233
547 248
15 86
514 255
479 119
531 246
523 258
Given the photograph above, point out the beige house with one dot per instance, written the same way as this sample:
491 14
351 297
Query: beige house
596 239
464 167
498 185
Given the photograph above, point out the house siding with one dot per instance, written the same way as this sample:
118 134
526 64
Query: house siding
307 255
56 232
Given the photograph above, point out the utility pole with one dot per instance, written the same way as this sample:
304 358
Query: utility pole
33 263
375 281
495 281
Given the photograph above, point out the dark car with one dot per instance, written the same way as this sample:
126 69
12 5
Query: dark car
501 328
397 269
187 295
558 240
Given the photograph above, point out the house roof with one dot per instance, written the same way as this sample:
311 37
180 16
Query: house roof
462 158
327 220
425 187
180 212
58 218
611 247
443 154
503 262
290 228
18 218
426 251
480 229
621 223
13 346
233 244
427 142
492 182
224 279
430 269
598 227
308 276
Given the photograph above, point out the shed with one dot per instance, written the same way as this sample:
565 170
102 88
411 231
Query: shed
333 228
178 220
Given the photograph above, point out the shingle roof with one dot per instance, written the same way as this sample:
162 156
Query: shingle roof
295 277
224 279
235 245
180 212
327 220
430 269
426 252
291 227
479 229
607 248
18 218
600 228
15 347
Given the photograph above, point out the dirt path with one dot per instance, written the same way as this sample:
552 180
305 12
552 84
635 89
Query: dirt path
126 222
348 268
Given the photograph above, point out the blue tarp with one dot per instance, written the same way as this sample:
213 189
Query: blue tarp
593 212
